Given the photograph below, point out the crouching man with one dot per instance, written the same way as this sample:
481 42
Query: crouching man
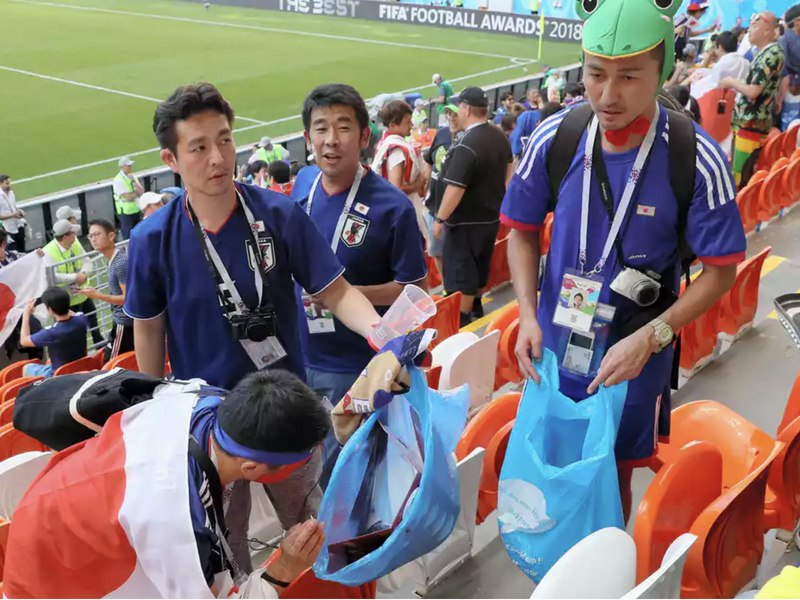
137 511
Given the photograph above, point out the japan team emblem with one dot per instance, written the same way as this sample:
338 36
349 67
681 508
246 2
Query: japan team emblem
267 252
355 230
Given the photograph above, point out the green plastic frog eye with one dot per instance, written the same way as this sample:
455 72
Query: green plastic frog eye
668 7
587 7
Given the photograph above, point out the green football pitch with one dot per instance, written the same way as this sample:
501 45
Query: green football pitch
80 78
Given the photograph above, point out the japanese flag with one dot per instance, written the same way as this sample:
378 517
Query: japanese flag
20 281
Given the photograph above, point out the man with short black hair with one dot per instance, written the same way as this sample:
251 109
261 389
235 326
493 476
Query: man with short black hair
507 102
475 172
280 177
12 217
102 236
65 341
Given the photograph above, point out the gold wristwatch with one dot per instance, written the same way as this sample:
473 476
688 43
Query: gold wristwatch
663 332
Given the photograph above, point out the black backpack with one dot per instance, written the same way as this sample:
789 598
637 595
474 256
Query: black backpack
682 165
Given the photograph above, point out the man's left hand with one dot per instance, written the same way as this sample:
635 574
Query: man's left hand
30 307
438 229
90 292
625 359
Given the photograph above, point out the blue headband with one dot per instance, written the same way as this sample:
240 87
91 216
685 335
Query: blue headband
233 448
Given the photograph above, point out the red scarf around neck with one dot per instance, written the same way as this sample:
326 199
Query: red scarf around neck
639 126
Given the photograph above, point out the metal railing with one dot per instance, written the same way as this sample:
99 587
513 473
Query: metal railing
97 201
97 279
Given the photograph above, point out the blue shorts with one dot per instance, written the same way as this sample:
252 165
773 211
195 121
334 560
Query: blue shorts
436 247
34 370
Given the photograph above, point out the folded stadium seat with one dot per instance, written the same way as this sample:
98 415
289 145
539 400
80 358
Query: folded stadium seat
446 319
306 585
601 565
434 277
791 183
10 390
93 362
666 581
790 140
770 150
510 370
471 362
782 507
499 272
124 361
679 493
492 465
13 442
792 410
700 342
747 201
501 322
770 199
7 412
433 375
716 124
16 475
12 372
546 235
738 307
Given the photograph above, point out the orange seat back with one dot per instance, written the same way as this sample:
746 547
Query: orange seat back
738 307
12 372
730 536
433 375
790 141
507 365
480 430
791 183
769 149
93 362
769 199
501 322
546 235
499 272
792 410
446 320
744 446
490 475
747 201
678 494
7 412
783 497
434 277
124 361
10 390
718 125
13 442
701 338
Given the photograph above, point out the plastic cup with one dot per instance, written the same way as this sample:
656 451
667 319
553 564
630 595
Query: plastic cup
411 309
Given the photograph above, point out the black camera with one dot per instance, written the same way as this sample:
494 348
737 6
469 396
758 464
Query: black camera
255 326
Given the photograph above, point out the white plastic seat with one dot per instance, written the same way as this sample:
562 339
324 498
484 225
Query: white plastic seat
16 475
601 565
666 581
475 365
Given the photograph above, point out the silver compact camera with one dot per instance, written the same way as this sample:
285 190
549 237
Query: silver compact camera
637 286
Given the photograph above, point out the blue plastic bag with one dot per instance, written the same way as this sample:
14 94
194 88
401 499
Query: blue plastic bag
396 469
559 480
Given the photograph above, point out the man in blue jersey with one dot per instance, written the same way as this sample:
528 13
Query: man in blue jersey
369 224
212 273
630 229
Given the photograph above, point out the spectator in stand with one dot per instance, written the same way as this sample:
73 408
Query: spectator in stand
269 152
753 115
508 124
507 103
304 180
534 100
65 247
126 190
685 66
443 99
6 256
170 193
475 172
419 112
73 215
254 173
683 96
12 217
103 239
729 62
573 94
435 158
370 225
423 135
280 177
687 26
149 202
789 100
554 84
65 341
527 122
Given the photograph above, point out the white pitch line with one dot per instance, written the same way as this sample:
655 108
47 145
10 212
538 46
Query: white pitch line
241 129
98 88
267 29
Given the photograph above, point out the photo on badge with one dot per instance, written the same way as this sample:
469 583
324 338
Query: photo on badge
577 302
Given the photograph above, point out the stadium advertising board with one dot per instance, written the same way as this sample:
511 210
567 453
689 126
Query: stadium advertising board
565 30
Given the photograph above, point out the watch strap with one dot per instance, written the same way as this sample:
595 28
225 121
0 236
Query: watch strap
269 579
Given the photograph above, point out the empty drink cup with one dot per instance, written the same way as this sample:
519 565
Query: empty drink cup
411 309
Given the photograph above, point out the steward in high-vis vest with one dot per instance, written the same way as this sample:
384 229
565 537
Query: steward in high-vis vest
269 152
65 247
127 190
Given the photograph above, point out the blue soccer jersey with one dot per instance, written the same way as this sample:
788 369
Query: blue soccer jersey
649 241
168 274
380 243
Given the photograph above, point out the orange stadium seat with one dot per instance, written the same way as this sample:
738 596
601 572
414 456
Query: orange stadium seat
93 362
546 235
510 372
770 151
791 183
506 370
124 361
14 371
738 307
792 410
434 277
718 125
7 412
747 201
699 340
433 375
782 505
307 585
770 199
790 141
13 442
490 475
447 318
499 272
10 390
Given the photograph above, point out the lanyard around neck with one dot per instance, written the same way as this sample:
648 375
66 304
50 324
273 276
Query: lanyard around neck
348 204
630 187
216 265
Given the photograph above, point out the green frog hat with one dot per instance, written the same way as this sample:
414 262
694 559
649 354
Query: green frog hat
623 28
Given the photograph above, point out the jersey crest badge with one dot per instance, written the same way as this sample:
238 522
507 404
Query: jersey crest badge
355 230
267 252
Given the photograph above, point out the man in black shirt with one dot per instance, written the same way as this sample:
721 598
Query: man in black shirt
475 172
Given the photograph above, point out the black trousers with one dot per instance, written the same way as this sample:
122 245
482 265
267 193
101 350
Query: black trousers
127 223
120 341
18 239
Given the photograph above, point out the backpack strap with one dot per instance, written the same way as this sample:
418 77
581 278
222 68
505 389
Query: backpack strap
682 171
565 144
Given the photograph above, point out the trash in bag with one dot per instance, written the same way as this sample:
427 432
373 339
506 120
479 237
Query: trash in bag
393 495
559 481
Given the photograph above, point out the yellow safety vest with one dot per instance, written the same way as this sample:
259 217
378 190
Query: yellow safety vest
275 154
125 207
54 250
